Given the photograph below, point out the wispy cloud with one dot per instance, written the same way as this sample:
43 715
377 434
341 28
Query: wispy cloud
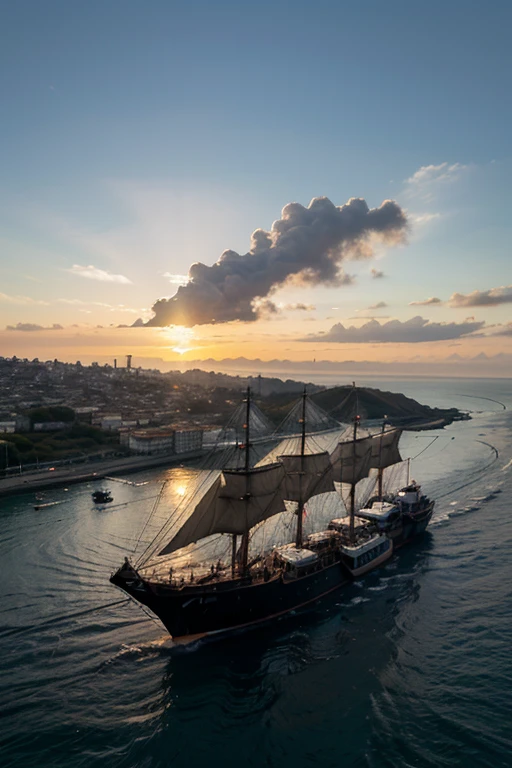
22 300
267 308
379 305
426 302
94 273
29 327
298 307
489 298
502 330
377 274
416 330
421 219
427 185
102 304
429 194
430 174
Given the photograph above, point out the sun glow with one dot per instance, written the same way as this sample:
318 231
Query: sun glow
181 338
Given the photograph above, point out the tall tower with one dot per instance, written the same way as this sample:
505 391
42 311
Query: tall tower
115 363
128 362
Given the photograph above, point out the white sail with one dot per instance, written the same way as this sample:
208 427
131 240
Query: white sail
247 498
385 451
317 443
234 503
192 515
353 460
306 476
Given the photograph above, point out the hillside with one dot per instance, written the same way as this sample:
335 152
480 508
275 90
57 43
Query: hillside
343 403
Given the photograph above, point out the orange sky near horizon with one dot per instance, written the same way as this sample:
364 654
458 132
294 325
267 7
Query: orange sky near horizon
228 341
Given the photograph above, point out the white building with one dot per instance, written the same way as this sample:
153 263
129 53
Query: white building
111 423
148 441
186 440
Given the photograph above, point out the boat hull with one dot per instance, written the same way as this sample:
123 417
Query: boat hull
380 560
412 525
232 605
194 611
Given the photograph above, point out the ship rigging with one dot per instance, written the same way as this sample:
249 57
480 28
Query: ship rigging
197 588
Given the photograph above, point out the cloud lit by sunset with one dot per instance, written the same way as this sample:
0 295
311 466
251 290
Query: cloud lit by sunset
288 238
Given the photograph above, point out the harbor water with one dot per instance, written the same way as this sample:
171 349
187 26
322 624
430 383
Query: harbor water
410 666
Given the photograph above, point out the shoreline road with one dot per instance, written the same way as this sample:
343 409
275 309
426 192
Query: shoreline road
28 482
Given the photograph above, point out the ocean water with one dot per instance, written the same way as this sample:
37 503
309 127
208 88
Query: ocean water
408 667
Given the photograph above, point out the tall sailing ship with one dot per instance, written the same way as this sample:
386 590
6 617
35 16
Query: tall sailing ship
196 593
401 514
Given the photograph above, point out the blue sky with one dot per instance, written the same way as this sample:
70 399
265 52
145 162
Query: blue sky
141 137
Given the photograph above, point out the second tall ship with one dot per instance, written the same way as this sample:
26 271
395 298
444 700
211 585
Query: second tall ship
224 566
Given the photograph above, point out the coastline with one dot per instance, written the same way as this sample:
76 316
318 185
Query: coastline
45 479
60 477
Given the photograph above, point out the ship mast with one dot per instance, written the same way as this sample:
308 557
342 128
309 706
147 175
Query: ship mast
353 483
245 536
300 507
381 470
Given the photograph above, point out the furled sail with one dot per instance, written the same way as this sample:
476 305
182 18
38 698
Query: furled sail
353 460
307 475
234 503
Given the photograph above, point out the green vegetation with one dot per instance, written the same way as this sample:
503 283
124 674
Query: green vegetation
71 443
51 413
343 403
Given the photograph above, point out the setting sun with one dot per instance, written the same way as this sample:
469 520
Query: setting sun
180 337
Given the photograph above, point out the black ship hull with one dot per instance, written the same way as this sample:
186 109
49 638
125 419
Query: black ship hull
412 524
196 611
193 610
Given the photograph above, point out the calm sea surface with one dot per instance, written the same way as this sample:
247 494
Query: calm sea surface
408 667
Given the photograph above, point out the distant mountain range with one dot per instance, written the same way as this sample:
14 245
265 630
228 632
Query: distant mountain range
481 365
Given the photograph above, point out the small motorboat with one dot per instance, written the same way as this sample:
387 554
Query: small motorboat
102 497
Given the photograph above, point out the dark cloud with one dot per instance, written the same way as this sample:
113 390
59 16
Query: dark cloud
425 302
139 323
377 274
378 305
305 244
33 327
492 297
415 330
